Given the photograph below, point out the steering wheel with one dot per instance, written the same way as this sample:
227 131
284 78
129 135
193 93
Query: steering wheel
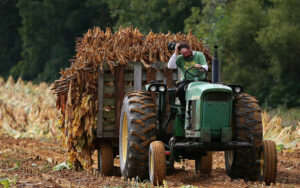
192 73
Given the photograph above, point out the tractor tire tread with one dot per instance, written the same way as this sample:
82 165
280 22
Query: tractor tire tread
142 117
151 127
135 133
246 127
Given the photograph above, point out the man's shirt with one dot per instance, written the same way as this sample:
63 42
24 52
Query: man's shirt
183 64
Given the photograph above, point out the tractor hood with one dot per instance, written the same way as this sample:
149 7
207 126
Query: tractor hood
195 90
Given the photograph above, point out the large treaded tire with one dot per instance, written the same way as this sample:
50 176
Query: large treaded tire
247 127
137 131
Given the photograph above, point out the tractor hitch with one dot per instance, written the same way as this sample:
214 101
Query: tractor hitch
195 147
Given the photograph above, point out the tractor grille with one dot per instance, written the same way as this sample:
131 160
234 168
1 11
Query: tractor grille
217 96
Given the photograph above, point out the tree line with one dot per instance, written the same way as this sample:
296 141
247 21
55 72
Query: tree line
258 39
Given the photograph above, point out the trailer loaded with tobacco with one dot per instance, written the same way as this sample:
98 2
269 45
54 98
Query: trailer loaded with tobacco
118 98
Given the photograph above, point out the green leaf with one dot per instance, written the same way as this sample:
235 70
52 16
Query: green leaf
14 181
5 182
280 147
16 177
69 163
16 167
62 166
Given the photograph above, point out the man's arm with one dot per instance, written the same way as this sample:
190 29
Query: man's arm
203 66
202 62
172 62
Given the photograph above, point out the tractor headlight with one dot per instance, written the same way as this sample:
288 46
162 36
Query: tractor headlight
152 88
156 87
237 89
162 88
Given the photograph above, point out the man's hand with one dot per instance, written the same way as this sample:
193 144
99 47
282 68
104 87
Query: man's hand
198 66
176 49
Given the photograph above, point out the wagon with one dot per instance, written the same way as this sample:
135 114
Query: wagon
129 78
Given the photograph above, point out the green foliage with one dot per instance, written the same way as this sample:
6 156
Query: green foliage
155 15
206 22
6 182
258 39
49 31
243 60
64 165
16 166
34 41
10 40
279 147
280 40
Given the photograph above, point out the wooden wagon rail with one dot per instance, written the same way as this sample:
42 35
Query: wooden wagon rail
137 77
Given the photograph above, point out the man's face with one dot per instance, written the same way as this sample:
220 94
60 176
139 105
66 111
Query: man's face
186 53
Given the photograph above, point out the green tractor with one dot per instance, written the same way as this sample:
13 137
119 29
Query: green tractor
216 117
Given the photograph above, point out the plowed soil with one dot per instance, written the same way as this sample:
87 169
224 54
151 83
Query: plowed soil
30 163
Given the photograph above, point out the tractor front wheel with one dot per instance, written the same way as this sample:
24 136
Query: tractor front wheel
268 162
157 163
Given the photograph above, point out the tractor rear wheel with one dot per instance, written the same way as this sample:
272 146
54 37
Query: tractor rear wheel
157 163
246 127
106 159
204 165
137 131
268 162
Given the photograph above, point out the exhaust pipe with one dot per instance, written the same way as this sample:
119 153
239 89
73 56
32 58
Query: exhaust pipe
216 68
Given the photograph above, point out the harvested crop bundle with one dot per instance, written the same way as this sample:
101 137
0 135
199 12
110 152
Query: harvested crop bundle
77 88
27 110
287 137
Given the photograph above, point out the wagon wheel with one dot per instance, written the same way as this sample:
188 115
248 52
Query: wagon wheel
105 159
268 162
157 163
204 165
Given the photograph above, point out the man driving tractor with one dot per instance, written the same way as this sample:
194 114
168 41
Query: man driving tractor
187 59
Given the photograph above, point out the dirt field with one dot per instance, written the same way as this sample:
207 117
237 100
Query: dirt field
28 163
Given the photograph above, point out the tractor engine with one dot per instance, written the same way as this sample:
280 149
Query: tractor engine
208 113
